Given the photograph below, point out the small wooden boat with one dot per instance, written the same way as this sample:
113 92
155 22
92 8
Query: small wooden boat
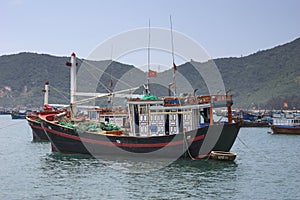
222 155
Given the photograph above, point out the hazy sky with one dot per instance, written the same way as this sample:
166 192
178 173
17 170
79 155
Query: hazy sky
223 28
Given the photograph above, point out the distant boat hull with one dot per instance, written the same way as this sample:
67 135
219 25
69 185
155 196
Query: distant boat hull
38 133
255 124
4 112
189 144
18 116
280 129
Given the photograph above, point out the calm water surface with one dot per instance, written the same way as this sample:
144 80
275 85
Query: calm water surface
267 167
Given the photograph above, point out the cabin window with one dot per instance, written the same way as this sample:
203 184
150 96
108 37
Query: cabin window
143 110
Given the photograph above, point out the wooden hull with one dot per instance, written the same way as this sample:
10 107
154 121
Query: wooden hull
38 133
286 130
189 144
221 155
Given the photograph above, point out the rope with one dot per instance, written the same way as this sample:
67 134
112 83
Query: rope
243 142
249 147
187 147
10 125
5 121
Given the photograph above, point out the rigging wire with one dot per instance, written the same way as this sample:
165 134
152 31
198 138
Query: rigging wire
105 73
60 92
11 124
95 78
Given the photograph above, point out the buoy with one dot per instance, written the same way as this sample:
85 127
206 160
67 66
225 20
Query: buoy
222 155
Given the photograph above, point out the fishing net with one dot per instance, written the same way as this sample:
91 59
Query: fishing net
149 97
97 127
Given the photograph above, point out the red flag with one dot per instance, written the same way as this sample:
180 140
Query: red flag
285 105
69 64
152 73
175 67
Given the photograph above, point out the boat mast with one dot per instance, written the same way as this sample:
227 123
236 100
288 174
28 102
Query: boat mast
46 93
174 66
148 78
73 109
109 99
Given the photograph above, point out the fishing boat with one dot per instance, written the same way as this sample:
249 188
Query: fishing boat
286 125
38 133
251 119
4 112
21 114
168 127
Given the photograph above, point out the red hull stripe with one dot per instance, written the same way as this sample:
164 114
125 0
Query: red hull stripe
36 127
122 144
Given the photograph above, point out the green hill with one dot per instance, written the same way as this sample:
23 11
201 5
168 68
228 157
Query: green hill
264 79
23 77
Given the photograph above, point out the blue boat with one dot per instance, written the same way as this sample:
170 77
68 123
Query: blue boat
251 119
20 114
4 112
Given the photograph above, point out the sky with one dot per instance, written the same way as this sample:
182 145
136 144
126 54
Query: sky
224 28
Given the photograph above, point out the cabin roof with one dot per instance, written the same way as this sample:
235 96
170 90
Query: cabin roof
146 102
186 106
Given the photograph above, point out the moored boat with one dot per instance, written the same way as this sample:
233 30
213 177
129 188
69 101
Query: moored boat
38 133
4 112
222 155
286 126
249 119
168 127
21 114
170 131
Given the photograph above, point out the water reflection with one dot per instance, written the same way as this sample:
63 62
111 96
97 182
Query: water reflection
133 179
187 179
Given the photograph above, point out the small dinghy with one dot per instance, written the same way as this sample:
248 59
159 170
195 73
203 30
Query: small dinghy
222 155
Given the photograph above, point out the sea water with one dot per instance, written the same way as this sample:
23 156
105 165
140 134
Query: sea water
267 167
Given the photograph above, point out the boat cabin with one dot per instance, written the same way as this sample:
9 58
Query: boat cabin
286 122
171 115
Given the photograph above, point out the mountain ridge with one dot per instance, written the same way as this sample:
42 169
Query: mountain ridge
264 79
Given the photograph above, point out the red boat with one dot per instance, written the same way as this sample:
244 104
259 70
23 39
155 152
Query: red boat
38 133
